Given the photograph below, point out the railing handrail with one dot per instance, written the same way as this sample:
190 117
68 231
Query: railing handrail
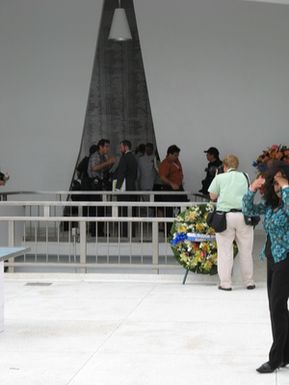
65 195
98 203
86 219
61 194
137 192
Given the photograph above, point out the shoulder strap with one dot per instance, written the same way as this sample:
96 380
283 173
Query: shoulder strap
247 178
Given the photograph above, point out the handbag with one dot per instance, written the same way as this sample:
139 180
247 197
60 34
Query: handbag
253 220
217 220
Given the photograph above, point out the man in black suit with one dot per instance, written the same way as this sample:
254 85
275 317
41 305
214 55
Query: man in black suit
127 168
126 177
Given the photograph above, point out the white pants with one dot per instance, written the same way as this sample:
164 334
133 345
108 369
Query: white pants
243 235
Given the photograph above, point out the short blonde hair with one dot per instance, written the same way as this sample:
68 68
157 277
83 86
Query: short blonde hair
231 161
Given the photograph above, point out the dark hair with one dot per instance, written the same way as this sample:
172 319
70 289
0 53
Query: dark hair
270 197
213 151
92 149
150 145
126 143
140 148
172 149
103 142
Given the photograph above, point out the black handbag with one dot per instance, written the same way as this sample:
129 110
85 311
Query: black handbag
252 221
217 220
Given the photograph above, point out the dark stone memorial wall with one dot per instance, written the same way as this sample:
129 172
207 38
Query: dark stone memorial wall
118 103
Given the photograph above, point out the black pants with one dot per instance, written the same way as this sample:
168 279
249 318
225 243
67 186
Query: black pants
124 213
278 293
96 211
169 211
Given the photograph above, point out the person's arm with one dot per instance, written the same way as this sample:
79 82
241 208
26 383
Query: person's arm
164 172
249 207
213 197
285 199
100 166
121 172
284 184
214 189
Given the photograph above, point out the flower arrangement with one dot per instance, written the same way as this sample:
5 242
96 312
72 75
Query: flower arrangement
275 152
193 241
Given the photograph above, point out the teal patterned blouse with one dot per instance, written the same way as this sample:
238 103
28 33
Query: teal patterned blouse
276 223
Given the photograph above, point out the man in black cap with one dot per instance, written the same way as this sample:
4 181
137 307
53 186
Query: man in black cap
214 166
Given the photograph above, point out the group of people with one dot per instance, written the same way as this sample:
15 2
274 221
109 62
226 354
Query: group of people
134 171
141 170
234 195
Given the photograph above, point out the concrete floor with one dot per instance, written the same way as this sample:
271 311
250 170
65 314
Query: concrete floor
120 329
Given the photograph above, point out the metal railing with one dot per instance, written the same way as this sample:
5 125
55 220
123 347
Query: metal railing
58 233
106 195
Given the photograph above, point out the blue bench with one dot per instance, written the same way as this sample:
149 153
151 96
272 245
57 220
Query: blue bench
11 252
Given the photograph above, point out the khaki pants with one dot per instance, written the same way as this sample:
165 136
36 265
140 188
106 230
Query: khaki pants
243 235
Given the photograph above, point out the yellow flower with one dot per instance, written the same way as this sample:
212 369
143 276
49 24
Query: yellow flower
205 247
200 227
191 216
184 257
182 228
211 231
208 265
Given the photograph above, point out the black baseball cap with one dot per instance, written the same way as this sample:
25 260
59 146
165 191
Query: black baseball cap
213 151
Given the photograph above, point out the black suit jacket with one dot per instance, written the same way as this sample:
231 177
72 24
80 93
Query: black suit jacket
127 170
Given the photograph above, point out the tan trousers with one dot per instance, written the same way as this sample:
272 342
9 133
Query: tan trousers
243 235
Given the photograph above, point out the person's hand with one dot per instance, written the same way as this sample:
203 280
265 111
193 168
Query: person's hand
257 184
175 186
2 182
111 160
281 180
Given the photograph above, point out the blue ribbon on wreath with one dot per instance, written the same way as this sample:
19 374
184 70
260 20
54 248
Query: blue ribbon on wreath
179 237
193 237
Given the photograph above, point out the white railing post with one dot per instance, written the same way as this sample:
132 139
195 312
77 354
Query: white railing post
129 224
155 243
114 211
82 245
46 211
11 241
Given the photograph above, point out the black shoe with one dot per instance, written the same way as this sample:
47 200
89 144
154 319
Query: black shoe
266 368
251 287
284 364
225 288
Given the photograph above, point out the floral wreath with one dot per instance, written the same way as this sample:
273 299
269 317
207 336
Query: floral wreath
193 241
275 152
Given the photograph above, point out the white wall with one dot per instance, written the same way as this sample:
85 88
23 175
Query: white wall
47 50
217 73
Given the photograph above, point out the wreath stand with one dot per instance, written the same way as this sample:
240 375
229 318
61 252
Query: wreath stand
185 276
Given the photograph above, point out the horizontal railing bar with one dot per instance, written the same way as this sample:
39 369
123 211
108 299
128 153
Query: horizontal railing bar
90 192
87 219
91 265
98 203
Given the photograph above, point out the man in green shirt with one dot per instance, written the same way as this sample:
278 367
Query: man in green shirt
227 190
